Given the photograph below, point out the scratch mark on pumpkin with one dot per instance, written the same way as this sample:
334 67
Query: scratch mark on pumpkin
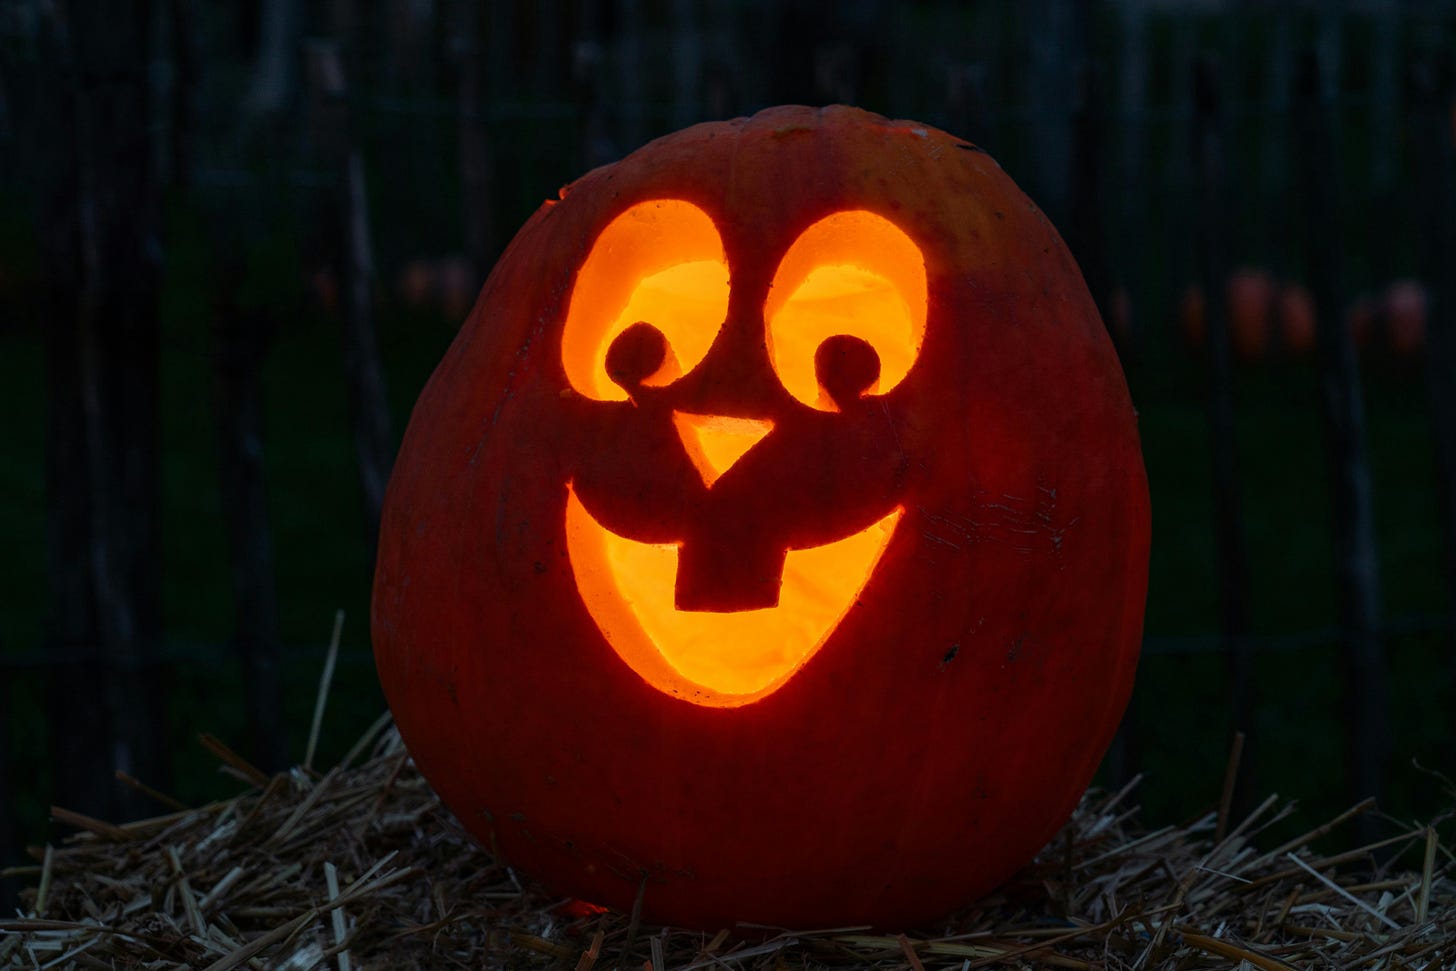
950 656
1025 525
1058 534
522 356
500 511
940 539
967 529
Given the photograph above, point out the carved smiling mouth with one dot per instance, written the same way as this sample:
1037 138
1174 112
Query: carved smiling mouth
710 658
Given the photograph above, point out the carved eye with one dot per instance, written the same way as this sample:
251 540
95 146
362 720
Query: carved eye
846 315
648 302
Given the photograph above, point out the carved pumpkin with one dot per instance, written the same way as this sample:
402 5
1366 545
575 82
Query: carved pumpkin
771 544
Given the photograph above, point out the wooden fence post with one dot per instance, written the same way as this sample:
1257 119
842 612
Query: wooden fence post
1343 406
1230 545
687 64
275 72
240 342
628 55
476 161
100 230
1385 96
1050 78
1430 113
1083 177
1129 218
8 849
363 372
589 62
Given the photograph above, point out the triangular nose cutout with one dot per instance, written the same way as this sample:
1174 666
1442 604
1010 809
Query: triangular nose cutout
715 442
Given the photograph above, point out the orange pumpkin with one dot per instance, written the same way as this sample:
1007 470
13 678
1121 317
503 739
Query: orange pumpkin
416 284
1193 315
1297 324
771 544
323 289
1361 318
1405 317
455 284
1250 300
1120 310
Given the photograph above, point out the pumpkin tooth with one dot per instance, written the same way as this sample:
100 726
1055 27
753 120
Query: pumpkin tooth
716 442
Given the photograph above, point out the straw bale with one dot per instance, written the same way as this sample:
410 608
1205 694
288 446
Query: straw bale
361 867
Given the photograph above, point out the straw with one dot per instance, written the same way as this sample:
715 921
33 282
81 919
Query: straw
364 868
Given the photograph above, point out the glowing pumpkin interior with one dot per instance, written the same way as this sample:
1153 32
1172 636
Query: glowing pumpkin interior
661 264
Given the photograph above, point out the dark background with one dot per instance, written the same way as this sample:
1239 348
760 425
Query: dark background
235 238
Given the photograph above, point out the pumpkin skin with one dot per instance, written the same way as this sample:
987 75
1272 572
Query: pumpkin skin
952 718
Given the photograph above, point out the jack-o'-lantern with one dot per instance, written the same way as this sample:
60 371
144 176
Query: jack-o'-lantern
771 544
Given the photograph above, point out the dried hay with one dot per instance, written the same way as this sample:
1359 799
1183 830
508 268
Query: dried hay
361 866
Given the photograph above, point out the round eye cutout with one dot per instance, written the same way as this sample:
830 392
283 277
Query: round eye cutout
649 300
846 315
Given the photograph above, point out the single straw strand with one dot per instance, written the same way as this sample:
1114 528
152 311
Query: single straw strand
325 680
1343 892
341 925
1428 866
